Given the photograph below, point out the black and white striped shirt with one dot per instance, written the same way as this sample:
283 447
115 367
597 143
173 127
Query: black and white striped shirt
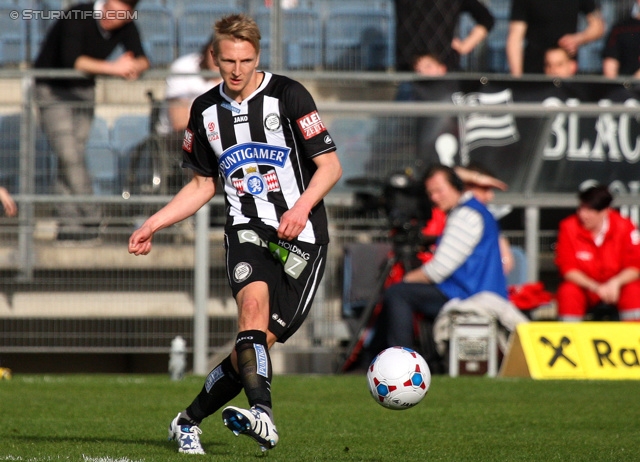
263 149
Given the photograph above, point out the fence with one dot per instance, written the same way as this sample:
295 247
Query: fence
75 297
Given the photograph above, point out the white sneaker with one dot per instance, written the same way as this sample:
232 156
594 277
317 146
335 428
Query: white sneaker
253 422
187 437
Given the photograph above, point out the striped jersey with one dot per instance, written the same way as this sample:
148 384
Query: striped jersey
262 148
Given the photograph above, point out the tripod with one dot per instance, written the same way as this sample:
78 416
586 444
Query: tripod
403 253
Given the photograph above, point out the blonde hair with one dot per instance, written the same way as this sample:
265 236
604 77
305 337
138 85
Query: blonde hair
239 27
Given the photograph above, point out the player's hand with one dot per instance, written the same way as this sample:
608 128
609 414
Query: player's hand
140 241
292 223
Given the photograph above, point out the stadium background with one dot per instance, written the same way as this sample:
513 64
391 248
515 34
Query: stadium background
95 308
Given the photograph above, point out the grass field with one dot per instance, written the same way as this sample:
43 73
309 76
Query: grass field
123 418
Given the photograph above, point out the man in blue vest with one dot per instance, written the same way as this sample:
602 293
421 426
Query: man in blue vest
466 260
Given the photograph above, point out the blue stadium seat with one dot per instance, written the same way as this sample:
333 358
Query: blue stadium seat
157 28
302 38
518 274
10 144
13 38
359 39
195 25
102 161
126 133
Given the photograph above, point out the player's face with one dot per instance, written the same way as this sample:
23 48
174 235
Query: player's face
238 61
441 192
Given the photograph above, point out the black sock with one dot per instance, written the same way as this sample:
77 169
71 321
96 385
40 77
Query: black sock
254 365
221 386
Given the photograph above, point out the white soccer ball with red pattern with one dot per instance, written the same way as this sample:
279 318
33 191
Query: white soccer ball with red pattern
398 378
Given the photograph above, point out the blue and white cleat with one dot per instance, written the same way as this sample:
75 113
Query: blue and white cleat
253 422
187 436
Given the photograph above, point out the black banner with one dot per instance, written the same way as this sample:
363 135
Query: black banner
556 153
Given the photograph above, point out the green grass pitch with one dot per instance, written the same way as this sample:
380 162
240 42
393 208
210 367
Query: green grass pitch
124 418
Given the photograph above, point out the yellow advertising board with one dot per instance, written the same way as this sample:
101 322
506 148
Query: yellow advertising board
583 350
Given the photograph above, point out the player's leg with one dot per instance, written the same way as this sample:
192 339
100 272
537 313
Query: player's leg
254 367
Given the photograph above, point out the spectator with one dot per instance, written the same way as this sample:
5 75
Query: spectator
466 261
181 90
621 54
427 65
598 256
559 63
427 27
83 41
9 205
544 24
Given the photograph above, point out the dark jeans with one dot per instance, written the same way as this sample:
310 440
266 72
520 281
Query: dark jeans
400 302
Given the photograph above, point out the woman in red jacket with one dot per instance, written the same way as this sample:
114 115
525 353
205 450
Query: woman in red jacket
598 256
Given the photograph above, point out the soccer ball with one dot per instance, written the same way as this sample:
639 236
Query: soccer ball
398 378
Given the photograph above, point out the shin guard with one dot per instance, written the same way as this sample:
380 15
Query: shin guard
254 365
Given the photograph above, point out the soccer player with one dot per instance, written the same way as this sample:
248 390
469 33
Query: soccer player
261 133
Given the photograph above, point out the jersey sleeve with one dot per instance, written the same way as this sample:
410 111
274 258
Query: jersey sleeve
196 150
307 125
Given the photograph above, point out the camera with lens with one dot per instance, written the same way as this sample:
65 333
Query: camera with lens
404 202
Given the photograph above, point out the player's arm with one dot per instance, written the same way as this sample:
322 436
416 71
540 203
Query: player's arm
515 47
325 177
187 202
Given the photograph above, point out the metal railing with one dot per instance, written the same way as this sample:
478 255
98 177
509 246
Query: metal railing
26 257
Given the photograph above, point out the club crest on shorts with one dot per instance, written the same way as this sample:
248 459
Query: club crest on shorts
242 271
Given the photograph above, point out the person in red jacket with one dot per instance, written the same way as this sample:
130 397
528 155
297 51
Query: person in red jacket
598 256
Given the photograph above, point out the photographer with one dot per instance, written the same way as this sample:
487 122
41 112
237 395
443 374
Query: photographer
466 261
